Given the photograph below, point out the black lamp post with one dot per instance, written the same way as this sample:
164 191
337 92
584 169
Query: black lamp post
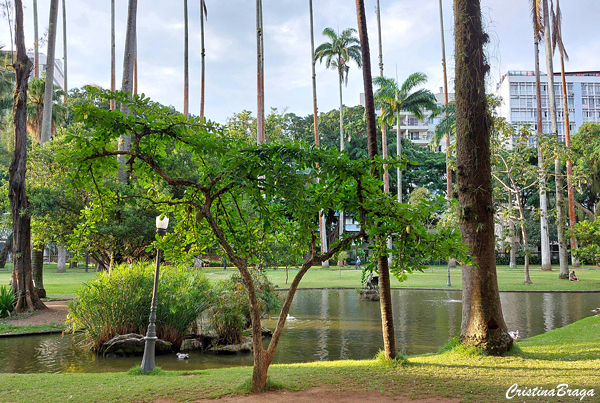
148 362
448 284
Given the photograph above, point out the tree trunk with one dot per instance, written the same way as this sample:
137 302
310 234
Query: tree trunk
387 318
203 52
36 47
570 189
61 266
37 264
483 325
64 13
260 86
112 52
186 73
513 243
544 238
26 298
399 153
322 221
127 83
560 208
49 87
6 250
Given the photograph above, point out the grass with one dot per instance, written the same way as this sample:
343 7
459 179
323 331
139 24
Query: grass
568 355
435 277
58 285
12 329
64 285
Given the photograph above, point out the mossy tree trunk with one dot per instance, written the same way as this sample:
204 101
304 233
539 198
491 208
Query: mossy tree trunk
26 298
483 324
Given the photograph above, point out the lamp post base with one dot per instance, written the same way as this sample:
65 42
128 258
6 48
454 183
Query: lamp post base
148 361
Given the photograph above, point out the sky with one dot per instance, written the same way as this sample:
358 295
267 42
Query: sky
411 43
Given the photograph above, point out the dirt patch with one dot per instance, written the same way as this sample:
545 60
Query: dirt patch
56 312
322 394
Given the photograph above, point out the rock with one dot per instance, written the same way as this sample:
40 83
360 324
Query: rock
266 332
369 295
191 344
131 345
244 347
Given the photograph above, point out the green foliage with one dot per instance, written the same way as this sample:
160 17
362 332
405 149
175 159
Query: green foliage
137 370
399 361
588 236
118 302
229 315
7 301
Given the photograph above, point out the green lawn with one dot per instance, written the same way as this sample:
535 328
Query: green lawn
64 285
569 355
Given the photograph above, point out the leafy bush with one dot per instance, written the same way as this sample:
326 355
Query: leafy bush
588 236
118 302
7 301
229 316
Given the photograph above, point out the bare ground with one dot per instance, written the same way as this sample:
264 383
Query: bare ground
56 312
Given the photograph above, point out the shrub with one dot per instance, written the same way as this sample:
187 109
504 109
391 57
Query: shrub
118 302
7 301
230 314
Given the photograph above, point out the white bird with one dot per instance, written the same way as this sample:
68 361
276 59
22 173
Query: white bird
182 356
514 335
596 311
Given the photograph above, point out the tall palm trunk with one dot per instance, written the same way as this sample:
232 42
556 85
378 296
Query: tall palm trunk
387 318
186 73
49 87
112 52
64 16
384 142
127 83
483 324
322 221
202 52
399 153
342 222
544 238
36 47
260 88
26 298
560 198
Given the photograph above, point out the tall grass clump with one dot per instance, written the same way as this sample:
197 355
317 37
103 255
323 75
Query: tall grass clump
229 315
7 301
118 302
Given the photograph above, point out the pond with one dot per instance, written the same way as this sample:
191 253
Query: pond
328 325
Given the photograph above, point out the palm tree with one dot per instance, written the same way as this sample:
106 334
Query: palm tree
186 73
112 52
260 79
64 13
557 40
127 83
203 52
35 108
483 324
49 90
538 28
387 317
337 54
36 69
560 209
322 218
394 99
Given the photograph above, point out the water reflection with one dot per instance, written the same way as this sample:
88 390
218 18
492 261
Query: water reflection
330 325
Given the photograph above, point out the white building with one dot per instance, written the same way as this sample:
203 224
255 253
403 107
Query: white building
59 77
420 132
519 104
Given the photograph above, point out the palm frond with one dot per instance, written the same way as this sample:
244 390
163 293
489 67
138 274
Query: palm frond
536 14
557 31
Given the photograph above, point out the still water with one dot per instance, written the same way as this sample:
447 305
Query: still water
328 325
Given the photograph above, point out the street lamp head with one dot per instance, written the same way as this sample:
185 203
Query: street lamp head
162 223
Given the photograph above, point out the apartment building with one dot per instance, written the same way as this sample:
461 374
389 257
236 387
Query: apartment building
519 104
59 75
